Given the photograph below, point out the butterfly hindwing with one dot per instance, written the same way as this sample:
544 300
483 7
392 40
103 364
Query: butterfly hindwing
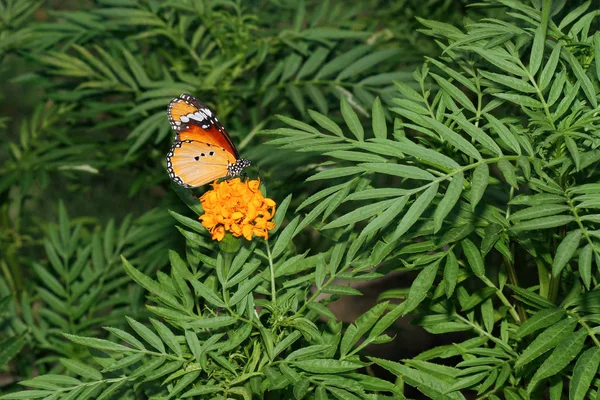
193 163
192 120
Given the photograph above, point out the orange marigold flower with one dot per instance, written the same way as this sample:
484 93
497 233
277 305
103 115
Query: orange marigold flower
237 207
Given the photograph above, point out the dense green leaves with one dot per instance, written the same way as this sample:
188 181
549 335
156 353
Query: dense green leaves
472 177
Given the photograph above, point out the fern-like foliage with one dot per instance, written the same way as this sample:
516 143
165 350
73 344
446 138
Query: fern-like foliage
234 325
487 178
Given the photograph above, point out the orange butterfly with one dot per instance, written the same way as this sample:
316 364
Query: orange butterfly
203 151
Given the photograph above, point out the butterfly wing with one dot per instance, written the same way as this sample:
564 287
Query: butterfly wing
193 163
192 120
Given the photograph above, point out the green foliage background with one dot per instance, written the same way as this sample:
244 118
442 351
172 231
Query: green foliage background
457 143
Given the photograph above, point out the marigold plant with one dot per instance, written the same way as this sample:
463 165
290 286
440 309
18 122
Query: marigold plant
237 207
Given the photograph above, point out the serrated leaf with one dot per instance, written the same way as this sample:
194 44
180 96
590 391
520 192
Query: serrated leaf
415 211
81 369
420 286
449 200
360 214
584 372
145 333
563 354
539 320
565 251
327 366
474 257
352 120
101 344
543 223
481 176
378 120
149 284
546 340
326 123
167 336
285 237
362 64
507 137
585 265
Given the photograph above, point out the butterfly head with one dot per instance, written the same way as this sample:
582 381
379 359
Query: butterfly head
236 168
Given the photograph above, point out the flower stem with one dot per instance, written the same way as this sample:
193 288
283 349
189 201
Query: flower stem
272 270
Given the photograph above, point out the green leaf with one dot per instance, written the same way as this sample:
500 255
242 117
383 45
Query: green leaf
292 63
81 369
454 139
360 214
204 291
428 155
539 39
10 347
285 237
429 384
313 62
361 326
49 280
200 390
585 265
584 372
537 211
574 151
101 344
517 84
546 340
342 61
326 366
543 223
476 133
508 170
520 100
149 284
386 217
326 123
378 120
415 211
450 273
365 63
420 286
404 171
27 394
582 78
167 336
597 51
449 200
574 15
213 322
549 69
481 176
541 319
145 333
561 357
454 92
473 257
352 120
341 290
565 251
335 173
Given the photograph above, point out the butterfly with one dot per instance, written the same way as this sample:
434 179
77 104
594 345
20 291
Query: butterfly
202 151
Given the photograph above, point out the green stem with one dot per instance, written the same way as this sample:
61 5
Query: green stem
272 272
503 299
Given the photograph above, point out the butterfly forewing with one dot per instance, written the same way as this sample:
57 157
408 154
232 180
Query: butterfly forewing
192 163
194 121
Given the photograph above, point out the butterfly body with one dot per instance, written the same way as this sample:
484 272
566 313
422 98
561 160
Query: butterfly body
202 151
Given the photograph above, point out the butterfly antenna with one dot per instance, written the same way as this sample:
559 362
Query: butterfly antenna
262 178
